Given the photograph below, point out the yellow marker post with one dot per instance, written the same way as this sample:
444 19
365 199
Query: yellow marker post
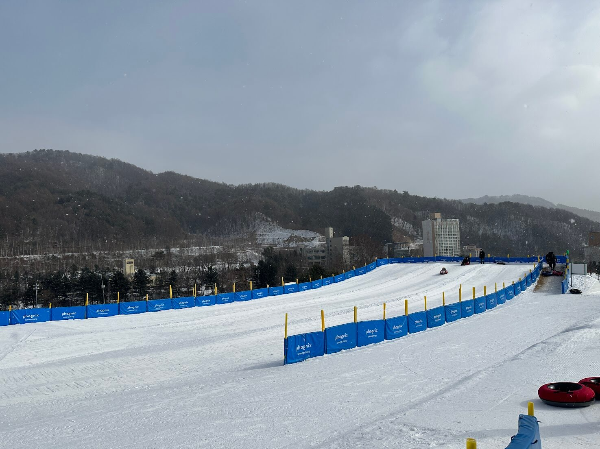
146 297
471 443
234 287
473 292
250 285
87 299
425 302
484 290
215 289
309 279
195 290
460 294
286 326
322 320
282 283
10 308
503 285
443 298
118 297
355 314
384 311
406 307
296 281
170 292
50 306
495 287
530 409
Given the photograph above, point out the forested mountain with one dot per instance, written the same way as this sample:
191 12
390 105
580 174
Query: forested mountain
58 199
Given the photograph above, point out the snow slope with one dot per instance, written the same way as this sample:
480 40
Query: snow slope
213 377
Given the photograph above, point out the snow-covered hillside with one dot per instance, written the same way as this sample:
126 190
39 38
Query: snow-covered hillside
213 377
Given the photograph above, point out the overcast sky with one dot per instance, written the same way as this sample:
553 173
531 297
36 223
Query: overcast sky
451 99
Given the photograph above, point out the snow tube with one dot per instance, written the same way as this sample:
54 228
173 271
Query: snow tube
546 273
566 394
593 383
443 271
575 291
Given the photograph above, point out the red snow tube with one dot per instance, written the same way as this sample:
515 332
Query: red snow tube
593 383
566 394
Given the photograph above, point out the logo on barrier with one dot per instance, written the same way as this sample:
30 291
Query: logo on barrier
341 337
396 327
68 314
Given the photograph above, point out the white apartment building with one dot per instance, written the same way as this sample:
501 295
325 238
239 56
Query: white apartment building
441 236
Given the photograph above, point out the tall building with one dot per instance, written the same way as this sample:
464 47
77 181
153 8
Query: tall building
441 236
128 267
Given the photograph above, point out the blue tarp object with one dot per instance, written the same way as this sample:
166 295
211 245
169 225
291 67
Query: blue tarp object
417 322
102 310
290 288
156 305
453 312
501 296
183 303
245 295
396 327
327 281
202 301
467 308
317 284
4 318
509 292
381 262
340 337
479 304
260 293
339 278
528 436
224 298
371 266
23 316
436 317
517 287
67 313
132 308
523 285
491 301
276 291
361 270
303 286
528 280
349 274
304 346
369 332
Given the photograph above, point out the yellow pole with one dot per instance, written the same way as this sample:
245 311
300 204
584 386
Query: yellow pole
170 291
384 311
530 409
460 294
443 298
215 289
495 287
406 307
234 287
195 290
286 325
282 283
87 299
471 443
309 279
425 302
118 297
322 320
146 297
473 292
484 290
250 285
9 308
355 314
503 285
296 281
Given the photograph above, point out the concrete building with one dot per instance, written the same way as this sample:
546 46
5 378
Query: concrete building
397 249
441 236
128 267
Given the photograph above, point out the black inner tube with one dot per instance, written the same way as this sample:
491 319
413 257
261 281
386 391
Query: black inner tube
565 387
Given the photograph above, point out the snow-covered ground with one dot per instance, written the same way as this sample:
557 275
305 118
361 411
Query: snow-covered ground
213 377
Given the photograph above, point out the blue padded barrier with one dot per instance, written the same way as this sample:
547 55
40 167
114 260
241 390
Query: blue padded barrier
360 271
304 346
371 266
369 332
224 298
24 316
349 274
396 327
260 293
304 286
509 292
528 280
395 260
417 322
203 301
67 313
523 285
102 310
339 278
479 304
4 318
184 302
467 308
491 301
528 436
428 259
245 295
436 317
338 338
453 312
157 305
290 288
132 308
276 291
501 296
517 287
561 259
317 284
381 262
327 281
565 286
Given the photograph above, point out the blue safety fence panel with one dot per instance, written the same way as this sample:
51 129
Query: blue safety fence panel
156 305
369 332
436 317
276 291
501 296
395 260
381 262
327 281
290 288
491 301
360 271
304 346
479 304
453 312
203 301
67 313
517 288
523 285
428 259
528 280
224 298
561 259
565 286
260 293
339 278
509 292
371 266
528 436
396 327
467 308
245 295
23 316
338 338
303 286
417 322
102 310
132 308
317 284
4 318
184 303
349 274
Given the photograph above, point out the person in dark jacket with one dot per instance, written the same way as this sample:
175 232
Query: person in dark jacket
481 256
551 260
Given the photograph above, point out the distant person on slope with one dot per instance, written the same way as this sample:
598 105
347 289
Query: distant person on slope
481 256
551 260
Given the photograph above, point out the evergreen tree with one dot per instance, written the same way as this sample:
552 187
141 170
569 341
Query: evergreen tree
140 282
119 284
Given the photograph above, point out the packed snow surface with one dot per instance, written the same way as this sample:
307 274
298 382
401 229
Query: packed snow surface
213 377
